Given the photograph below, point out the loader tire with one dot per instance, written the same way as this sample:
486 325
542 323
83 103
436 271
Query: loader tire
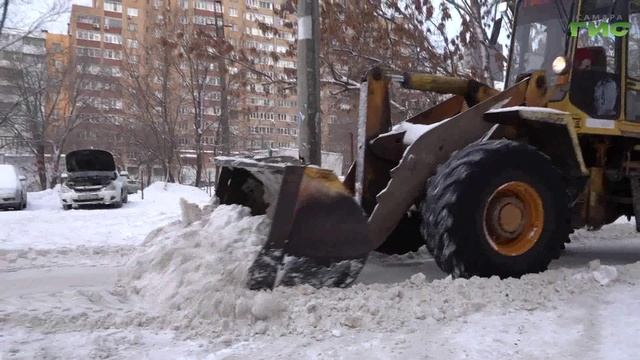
496 208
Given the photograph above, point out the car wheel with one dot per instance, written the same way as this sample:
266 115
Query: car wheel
118 204
66 207
126 197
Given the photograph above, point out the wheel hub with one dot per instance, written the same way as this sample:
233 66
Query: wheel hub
513 218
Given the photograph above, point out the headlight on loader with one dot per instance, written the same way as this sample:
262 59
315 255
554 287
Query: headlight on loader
560 65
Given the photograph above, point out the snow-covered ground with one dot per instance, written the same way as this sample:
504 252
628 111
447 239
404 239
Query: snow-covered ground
137 282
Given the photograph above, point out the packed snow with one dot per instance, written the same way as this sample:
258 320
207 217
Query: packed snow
169 283
45 225
528 108
413 131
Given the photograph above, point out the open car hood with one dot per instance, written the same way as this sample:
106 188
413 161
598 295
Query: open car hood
90 160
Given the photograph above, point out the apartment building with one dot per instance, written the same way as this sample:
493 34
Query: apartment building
108 37
103 40
19 51
269 102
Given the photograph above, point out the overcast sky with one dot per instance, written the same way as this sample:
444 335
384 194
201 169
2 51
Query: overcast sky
22 13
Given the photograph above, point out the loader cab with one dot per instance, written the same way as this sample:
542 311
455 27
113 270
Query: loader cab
538 37
599 41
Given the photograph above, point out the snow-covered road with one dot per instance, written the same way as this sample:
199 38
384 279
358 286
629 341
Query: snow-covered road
86 284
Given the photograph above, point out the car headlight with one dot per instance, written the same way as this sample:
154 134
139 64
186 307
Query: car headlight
110 187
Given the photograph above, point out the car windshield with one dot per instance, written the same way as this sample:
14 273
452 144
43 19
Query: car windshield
540 36
7 177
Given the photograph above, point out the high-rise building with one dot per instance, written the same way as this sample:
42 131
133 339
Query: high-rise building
19 52
104 38
109 36
256 29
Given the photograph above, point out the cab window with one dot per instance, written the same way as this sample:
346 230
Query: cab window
596 78
633 65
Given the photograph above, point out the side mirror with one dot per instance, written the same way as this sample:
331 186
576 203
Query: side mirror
22 178
64 176
124 173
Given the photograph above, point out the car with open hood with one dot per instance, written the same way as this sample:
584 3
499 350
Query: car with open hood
13 194
92 178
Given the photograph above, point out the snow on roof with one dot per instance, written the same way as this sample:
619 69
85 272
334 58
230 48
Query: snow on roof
8 176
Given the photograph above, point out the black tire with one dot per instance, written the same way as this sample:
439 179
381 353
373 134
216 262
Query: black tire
126 197
66 207
453 213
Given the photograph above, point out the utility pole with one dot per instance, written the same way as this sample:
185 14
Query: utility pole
309 124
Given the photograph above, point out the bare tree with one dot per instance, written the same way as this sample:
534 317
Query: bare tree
157 95
12 14
204 77
46 113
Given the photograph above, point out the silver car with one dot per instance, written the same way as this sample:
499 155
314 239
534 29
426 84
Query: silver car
91 179
13 193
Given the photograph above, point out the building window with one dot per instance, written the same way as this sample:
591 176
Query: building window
213 80
214 96
112 6
132 43
112 54
184 4
265 5
132 12
88 35
233 12
132 27
88 19
91 52
111 23
205 5
113 39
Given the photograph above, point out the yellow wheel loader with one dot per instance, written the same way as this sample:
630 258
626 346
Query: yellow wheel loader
493 182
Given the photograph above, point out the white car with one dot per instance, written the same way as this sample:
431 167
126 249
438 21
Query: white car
92 179
12 191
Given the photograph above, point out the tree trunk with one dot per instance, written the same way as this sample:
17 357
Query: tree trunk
55 175
199 168
225 130
149 174
198 139
41 166
168 171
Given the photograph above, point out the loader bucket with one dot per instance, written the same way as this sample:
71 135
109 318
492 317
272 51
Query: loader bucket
318 233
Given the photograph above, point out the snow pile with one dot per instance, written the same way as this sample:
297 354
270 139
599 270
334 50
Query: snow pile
198 272
44 200
194 277
169 195
44 225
